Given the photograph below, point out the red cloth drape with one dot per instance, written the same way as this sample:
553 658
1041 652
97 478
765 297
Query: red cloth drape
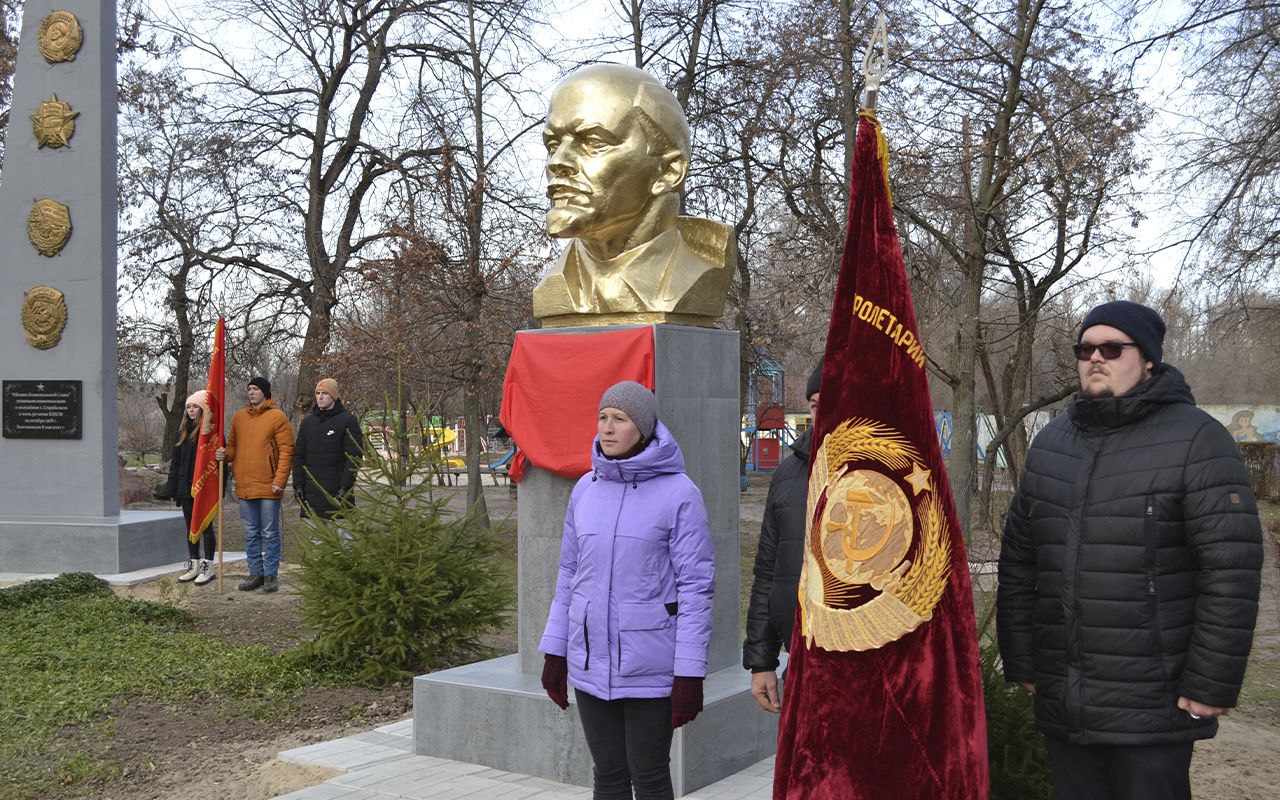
881 701
206 489
553 385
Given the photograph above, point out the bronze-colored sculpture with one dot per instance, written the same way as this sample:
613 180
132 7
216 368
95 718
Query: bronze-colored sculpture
617 156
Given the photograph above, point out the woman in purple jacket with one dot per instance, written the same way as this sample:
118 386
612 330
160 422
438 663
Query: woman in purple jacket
631 618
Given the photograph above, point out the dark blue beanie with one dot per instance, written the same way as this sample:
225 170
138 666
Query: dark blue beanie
1142 324
815 382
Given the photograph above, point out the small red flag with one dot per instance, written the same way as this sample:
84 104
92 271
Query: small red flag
883 693
206 489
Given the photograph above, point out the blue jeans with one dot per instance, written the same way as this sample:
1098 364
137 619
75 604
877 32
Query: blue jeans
261 520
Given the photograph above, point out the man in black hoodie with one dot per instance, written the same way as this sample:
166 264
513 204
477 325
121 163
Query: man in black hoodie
326 454
779 556
1129 570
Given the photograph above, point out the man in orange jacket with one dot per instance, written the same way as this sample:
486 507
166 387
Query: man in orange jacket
260 449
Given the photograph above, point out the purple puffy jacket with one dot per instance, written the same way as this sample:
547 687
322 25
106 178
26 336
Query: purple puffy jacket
633 596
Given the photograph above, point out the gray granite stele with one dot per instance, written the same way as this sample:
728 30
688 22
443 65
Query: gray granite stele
59 498
495 712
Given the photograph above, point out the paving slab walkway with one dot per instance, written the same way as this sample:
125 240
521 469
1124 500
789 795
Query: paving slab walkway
380 764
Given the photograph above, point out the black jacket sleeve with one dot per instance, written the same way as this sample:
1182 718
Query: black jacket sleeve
1220 516
1016 594
300 458
764 640
353 448
175 467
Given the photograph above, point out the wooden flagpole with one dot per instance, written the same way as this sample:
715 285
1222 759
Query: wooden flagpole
222 466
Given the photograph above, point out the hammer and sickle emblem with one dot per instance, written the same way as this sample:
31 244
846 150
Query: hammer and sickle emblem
858 500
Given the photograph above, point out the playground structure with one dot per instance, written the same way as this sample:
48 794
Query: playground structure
431 434
766 432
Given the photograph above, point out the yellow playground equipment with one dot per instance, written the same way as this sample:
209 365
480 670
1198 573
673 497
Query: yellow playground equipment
438 438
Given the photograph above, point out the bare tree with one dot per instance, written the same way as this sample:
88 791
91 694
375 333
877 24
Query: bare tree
187 188
1231 52
313 96
1017 165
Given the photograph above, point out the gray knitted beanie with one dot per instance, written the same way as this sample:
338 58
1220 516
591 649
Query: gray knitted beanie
637 402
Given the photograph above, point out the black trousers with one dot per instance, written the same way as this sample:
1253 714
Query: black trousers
1120 772
208 538
630 743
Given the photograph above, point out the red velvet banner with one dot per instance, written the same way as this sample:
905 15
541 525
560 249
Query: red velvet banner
883 697
552 386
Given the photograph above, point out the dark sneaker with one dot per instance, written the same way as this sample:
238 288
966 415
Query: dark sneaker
252 583
272 584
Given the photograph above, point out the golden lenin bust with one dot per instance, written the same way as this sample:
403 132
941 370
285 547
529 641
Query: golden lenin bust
617 157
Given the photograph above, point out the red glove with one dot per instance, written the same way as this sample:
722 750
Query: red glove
555 679
686 700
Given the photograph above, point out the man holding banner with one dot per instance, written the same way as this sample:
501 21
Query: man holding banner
260 449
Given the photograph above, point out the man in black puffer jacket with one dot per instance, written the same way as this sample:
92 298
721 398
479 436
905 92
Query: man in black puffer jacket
326 453
1129 571
772 608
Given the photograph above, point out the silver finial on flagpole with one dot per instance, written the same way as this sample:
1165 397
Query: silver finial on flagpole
874 64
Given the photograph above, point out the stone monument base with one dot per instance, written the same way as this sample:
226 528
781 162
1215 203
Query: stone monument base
493 714
101 545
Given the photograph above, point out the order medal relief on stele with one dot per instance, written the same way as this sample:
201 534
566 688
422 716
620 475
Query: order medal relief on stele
60 37
54 123
49 226
44 316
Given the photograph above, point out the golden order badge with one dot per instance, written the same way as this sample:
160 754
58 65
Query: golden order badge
49 226
54 123
44 316
878 546
60 37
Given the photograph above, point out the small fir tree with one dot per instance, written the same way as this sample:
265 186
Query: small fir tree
397 584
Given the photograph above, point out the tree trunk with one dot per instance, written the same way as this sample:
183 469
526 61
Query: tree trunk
848 103
637 33
180 303
475 291
315 342
964 445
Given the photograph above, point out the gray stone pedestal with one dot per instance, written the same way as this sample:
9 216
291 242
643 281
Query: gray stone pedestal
491 713
495 712
126 542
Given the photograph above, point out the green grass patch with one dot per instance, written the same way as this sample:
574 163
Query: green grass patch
69 648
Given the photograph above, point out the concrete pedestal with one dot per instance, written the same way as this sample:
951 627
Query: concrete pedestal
491 713
128 541
495 712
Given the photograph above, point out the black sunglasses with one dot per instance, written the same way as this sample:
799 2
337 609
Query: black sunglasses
1109 350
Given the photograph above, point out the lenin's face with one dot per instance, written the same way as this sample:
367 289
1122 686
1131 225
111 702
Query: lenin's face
600 175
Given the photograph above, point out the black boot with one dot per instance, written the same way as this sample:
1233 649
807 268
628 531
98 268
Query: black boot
253 582
272 584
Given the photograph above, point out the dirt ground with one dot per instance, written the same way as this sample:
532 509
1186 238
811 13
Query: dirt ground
184 752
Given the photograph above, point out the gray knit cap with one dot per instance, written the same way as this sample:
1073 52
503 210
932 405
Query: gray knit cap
637 402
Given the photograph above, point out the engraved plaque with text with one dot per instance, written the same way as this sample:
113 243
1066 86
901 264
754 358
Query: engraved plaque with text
42 410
